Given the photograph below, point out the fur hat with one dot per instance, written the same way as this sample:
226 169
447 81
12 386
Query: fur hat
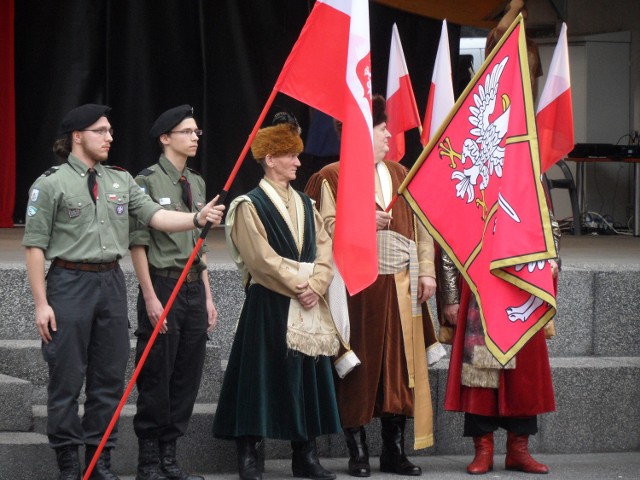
276 140
378 109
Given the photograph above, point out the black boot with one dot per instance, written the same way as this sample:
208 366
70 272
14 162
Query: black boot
68 462
305 463
102 468
393 458
248 467
358 452
169 464
149 460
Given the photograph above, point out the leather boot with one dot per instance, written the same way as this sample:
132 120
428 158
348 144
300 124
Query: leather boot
358 452
169 463
305 463
149 460
393 458
102 468
483 461
68 463
248 467
518 457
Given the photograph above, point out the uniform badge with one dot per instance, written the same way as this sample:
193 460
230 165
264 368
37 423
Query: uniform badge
74 212
164 201
199 205
34 194
112 196
31 211
120 209
116 185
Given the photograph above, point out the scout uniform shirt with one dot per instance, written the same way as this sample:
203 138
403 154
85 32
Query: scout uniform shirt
63 220
162 183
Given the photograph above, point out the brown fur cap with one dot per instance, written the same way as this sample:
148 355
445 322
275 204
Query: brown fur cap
378 110
276 140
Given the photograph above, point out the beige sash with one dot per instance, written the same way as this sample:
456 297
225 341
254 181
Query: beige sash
395 255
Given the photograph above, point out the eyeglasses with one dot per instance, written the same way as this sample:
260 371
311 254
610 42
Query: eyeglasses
100 131
188 132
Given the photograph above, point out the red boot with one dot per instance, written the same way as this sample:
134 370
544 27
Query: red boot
518 457
483 461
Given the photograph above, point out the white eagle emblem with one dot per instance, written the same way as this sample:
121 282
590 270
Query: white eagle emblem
484 153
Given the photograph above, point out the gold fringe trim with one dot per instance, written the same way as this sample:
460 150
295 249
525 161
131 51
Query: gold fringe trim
313 345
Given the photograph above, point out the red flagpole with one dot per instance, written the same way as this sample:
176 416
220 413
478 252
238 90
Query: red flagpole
176 289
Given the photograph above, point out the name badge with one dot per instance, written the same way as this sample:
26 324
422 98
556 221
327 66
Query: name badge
164 201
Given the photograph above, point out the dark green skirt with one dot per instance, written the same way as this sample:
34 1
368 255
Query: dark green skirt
268 390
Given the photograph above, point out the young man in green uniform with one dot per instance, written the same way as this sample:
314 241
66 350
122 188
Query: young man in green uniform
77 217
168 385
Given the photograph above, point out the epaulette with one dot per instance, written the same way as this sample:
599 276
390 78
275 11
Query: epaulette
194 171
51 171
146 172
115 167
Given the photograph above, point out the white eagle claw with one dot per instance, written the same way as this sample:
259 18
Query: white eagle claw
524 311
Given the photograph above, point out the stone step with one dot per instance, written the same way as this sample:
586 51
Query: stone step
26 456
596 411
15 404
587 301
23 359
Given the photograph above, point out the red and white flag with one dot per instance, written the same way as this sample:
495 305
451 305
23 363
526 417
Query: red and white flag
440 99
477 189
402 111
555 113
329 68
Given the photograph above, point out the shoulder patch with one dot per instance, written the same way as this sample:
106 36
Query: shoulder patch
51 171
146 172
194 171
115 167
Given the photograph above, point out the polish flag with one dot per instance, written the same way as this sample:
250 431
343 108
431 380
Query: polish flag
440 99
335 77
402 111
555 115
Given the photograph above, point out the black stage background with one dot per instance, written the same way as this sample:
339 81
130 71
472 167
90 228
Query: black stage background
142 57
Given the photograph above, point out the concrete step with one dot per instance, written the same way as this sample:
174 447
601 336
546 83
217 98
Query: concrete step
23 359
587 299
26 456
15 404
597 411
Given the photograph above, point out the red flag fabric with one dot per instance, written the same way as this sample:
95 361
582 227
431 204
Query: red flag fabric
555 108
329 68
440 100
402 111
477 189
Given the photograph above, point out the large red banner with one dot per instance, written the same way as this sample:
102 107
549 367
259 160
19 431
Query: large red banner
477 188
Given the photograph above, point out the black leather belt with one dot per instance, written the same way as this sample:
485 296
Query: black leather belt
84 266
175 274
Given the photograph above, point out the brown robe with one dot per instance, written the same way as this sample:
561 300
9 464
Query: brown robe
381 384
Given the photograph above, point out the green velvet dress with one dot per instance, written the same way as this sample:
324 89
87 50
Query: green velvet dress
268 390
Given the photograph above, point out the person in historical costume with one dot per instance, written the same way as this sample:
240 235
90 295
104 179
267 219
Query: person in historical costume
391 329
492 396
278 383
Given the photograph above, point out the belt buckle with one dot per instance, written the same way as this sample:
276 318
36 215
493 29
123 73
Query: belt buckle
192 277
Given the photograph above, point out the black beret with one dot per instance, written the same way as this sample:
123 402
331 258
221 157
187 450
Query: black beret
169 119
83 116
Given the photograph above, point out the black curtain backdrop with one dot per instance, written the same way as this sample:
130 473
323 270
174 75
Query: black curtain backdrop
143 57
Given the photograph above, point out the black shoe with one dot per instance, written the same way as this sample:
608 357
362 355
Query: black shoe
169 465
305 463
102 468
248 467
68 463
358 452
149 460
393 458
